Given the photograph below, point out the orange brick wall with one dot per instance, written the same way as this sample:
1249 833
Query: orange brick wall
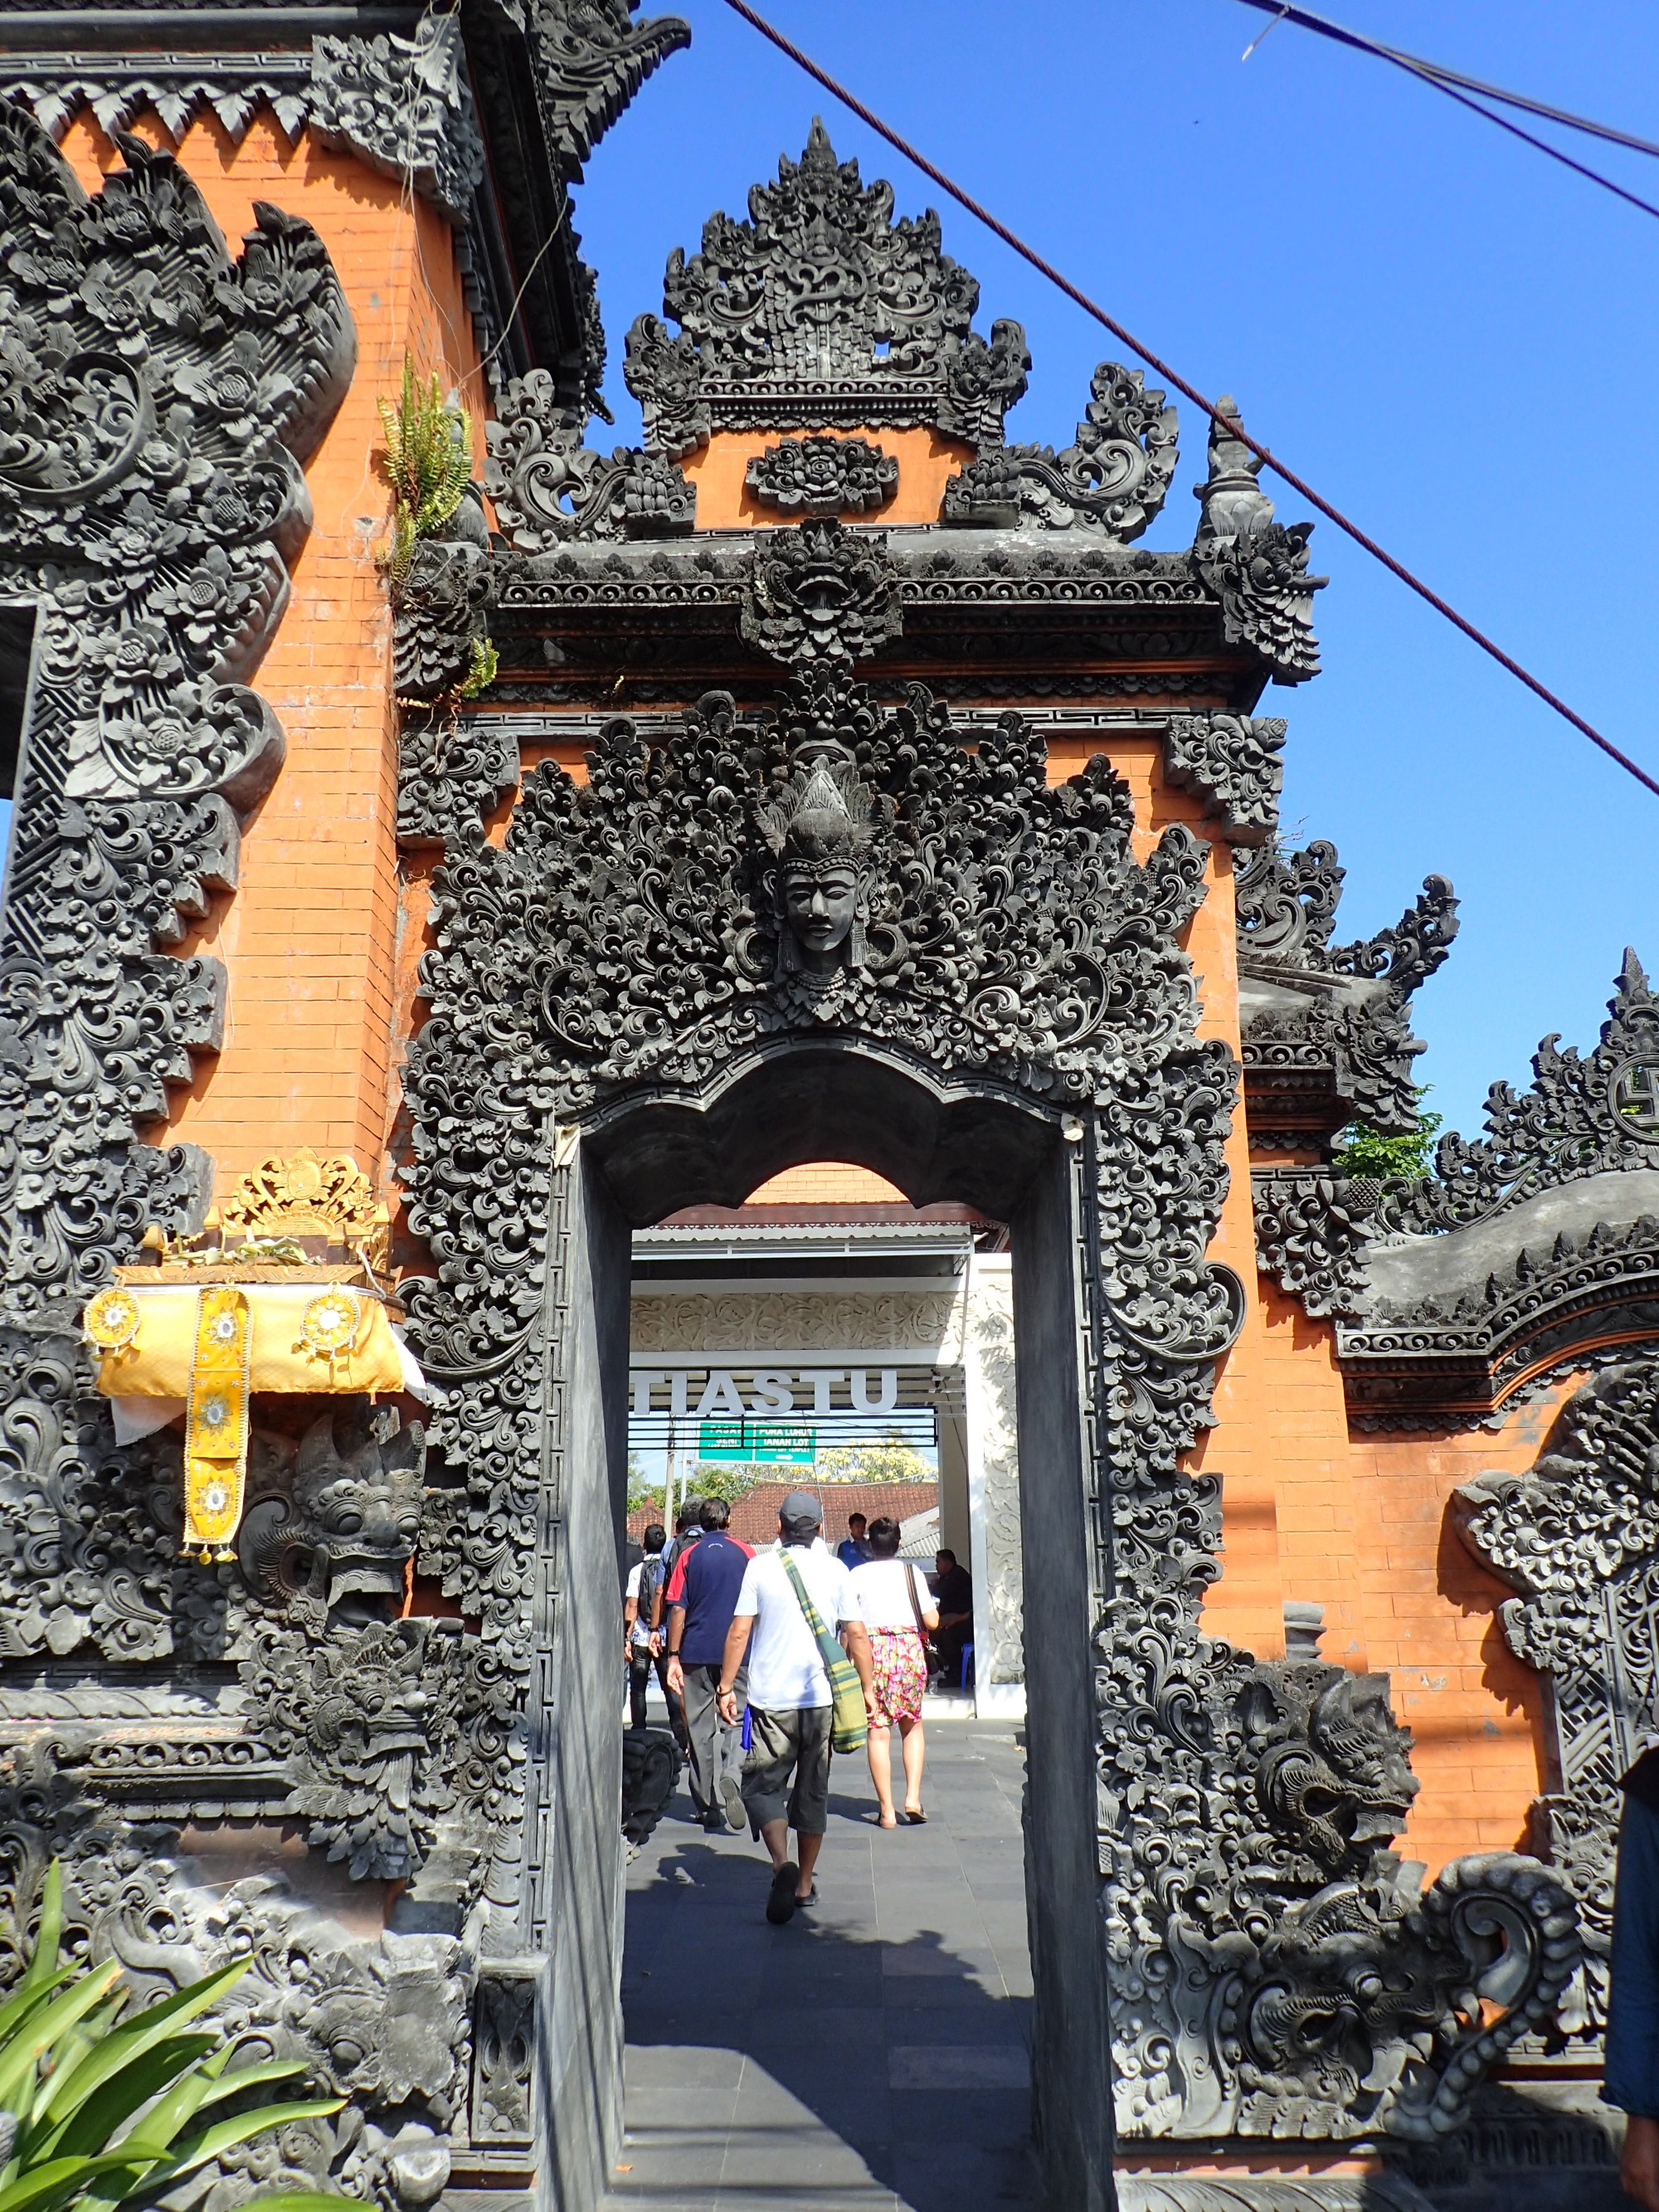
310 938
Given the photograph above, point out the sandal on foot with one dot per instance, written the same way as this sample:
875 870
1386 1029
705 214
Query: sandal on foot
781 1904
916 1820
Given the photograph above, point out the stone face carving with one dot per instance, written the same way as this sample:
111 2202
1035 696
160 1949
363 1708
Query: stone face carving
819 594
1310 1228
1577 1538
547 487
441 605
822 476
1278 1972
1111 480
403 106
1257 567
1234 763
821 310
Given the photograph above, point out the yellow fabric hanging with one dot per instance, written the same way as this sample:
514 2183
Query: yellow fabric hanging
306 1337
216 1423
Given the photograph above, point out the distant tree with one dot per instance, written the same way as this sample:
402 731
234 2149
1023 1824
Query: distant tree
895 1458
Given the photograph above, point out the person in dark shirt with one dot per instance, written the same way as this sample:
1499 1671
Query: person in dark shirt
1631 2073
953 1594
855 1550
702 1596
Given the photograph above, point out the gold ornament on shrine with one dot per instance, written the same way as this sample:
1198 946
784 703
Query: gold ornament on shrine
283 1292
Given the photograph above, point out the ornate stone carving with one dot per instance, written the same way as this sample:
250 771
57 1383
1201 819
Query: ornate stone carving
403 106
1111 480
651 1767
1326 1031
441 605
1234 763
1257 567
1578 1537
154 398
1581 1117
452 769
594 59
822 476
819 594
1310 1228
819 311
1278 1972
504 2054
547 487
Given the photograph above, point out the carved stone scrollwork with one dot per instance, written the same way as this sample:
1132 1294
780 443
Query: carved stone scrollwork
651 1767
503 2054
822 476
547 487
1581 1117
139 364
1234 763
1257 567
441 605
820 594
403 106
1113 479
1578 1537
821 310
594 58
1310 1228
451 770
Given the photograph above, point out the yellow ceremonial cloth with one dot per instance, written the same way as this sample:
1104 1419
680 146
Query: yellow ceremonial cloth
159 1361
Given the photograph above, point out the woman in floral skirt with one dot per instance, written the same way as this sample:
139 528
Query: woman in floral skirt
899 1612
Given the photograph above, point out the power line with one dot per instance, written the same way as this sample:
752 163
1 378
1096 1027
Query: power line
1448 82
1162 368
1308 21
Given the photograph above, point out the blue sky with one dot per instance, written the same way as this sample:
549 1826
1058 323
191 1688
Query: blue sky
1453 337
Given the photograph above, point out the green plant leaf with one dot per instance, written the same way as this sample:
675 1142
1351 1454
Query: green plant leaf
212 2142
18 2007
296 2200
56 2182
94 2119
151 2027
49 1936
251 2077
48 2026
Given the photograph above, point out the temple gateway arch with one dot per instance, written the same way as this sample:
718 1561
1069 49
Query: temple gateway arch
826 779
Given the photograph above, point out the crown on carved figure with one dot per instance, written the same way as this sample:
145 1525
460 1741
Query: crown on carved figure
822 819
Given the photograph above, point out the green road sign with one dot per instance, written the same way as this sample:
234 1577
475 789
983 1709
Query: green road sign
767 1443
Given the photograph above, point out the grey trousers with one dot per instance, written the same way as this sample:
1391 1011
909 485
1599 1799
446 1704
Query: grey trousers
716 1749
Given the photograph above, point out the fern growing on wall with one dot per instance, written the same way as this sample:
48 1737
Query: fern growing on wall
428 463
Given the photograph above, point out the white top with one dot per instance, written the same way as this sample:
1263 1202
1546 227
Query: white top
883 1600
639 1634
785 1671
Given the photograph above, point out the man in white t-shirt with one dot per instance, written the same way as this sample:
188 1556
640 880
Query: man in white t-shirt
785 1776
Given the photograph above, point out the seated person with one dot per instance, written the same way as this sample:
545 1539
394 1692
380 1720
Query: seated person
953 1594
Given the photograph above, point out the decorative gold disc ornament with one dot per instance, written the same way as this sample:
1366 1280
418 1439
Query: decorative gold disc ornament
111 1320
329 1324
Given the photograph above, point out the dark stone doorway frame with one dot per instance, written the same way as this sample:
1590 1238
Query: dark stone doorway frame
645 1157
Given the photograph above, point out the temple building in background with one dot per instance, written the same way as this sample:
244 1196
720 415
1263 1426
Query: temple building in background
506 936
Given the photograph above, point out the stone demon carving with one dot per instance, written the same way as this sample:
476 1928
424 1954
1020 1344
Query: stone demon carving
1278 1974
820 594
821 309
1579 1539
1257 567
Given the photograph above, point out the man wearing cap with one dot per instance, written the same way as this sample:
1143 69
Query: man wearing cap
785 1776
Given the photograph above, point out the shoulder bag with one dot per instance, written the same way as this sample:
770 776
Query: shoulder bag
849 1729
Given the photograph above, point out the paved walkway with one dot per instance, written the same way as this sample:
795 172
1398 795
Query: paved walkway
871 2056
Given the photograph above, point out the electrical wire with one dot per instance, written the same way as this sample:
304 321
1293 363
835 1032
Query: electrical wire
1448 82
1280 9
1162 368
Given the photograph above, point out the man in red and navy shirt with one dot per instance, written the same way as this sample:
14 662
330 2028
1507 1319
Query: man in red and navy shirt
700 1598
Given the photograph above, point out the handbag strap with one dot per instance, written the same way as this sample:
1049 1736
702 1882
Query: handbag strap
828 1650
915 1603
